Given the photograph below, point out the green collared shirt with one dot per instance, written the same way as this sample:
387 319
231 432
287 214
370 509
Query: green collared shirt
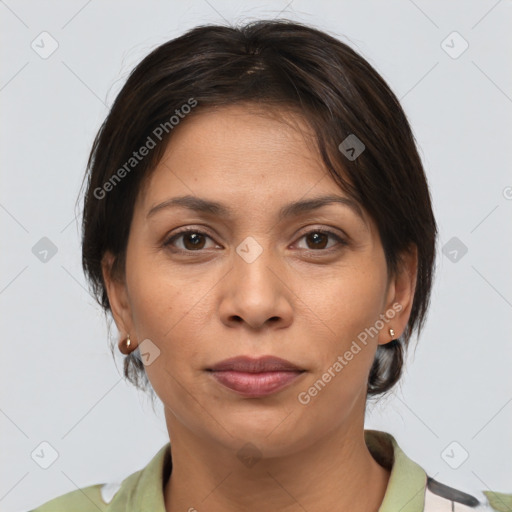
409 488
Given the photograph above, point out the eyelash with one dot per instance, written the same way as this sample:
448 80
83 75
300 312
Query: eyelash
341 241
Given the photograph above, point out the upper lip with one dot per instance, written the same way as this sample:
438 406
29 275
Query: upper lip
255 365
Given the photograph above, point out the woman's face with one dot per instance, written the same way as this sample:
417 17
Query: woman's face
309 286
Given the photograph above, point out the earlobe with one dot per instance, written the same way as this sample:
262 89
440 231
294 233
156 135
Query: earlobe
117 295
400 297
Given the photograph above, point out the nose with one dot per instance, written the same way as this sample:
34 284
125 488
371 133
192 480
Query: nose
255 292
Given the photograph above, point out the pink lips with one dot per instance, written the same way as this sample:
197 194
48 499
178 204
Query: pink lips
255 377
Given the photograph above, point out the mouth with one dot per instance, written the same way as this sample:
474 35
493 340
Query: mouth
255 378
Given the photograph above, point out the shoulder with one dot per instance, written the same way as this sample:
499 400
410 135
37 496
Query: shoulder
440 497
411 489
86 499
144 486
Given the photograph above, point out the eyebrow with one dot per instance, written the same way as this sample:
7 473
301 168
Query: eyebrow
198 204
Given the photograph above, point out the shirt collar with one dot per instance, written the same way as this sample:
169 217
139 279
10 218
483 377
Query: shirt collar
407 482
144 490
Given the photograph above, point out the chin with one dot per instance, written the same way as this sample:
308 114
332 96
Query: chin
275 433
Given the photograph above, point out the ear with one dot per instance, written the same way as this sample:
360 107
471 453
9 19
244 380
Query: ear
400 296
117 295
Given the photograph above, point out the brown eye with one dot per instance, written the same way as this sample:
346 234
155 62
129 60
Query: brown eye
192 240
318 240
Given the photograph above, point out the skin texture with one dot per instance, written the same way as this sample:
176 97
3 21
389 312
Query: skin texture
301 299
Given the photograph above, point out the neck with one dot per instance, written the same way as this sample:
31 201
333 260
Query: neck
336 473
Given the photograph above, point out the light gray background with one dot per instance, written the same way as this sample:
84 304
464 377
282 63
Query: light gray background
59 382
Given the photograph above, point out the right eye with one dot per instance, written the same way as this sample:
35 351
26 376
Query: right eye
192 240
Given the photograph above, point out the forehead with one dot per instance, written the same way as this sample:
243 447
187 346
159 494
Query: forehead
243 141
244 155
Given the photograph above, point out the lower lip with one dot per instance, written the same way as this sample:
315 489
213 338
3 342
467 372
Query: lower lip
255 384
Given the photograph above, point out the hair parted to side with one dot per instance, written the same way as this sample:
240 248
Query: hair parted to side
279 64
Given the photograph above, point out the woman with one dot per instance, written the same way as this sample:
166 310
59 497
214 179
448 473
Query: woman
258 222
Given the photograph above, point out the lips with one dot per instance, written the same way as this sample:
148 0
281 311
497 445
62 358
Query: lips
255 377
259 365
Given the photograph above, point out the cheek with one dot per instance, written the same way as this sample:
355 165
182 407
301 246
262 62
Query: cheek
350 301
349 308
344 353
163 313
170 310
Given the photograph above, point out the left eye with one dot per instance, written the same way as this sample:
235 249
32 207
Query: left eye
194 240
319 237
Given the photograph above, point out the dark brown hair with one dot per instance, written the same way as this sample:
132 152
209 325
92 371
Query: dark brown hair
277 64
